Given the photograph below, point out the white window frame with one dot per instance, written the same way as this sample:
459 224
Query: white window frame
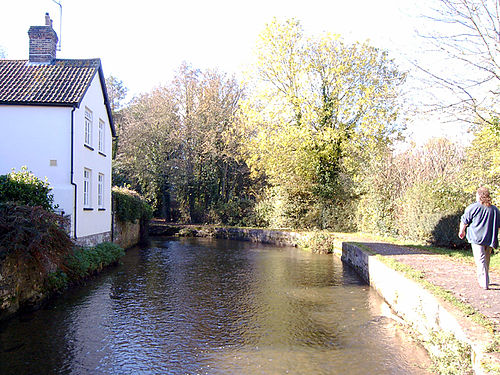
87 188
101 136
100 190
88 127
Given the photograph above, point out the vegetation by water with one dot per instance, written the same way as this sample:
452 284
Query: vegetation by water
309 142
35 249
81 263
129 206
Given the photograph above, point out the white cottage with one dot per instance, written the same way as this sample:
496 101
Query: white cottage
56 119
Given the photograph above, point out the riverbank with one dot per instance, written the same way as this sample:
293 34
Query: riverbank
27 281
435 295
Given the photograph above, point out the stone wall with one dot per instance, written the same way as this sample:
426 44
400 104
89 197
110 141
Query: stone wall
93 239
126 234
274 237
22 281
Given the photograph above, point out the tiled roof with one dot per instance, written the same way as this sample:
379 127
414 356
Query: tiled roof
63 82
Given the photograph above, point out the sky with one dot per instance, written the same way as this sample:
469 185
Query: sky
143 42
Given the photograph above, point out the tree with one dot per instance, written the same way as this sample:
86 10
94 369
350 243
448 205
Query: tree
147 145
117 92
178 148
416 194
467 37
483 159
317 109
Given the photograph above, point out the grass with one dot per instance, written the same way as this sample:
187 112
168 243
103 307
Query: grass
461 255
418 276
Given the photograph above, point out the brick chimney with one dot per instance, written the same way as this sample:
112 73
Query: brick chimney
43 42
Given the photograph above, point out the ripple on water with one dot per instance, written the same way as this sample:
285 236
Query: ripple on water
213 307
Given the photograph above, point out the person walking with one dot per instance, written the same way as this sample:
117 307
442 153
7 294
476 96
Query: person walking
480 223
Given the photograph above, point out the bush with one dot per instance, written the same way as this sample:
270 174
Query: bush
56 281
31 230
130 206
82 262
235 212
319 242
426 210
444 233
25 188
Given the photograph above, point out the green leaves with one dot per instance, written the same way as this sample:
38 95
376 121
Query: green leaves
130 206
317 109
25 188
483 159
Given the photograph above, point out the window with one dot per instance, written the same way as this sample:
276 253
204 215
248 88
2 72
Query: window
87 177
100 190
88 127
101 136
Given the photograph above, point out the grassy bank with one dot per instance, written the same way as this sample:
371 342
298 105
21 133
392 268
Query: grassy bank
81 263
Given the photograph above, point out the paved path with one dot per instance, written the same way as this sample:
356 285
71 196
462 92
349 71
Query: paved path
456 276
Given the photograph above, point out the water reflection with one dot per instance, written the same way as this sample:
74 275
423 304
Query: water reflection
213 307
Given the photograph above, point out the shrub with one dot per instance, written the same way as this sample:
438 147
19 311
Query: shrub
235 212
130 206
77 264
426 210
25 188
82 262
31 230
56 281
444 233
319 242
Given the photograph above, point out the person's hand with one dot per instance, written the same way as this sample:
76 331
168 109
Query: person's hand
461 231
461 234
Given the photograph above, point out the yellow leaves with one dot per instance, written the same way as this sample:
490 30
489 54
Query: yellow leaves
316 105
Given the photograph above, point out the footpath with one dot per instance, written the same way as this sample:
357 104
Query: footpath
454 276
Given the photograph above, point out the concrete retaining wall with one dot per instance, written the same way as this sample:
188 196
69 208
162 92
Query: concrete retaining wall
417 306
275 237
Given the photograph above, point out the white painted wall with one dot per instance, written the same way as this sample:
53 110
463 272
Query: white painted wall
32 136
93 221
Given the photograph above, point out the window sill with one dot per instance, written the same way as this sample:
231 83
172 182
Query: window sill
89 147
102 154
101 209
88 209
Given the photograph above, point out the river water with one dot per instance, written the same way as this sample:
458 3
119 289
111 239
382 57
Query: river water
201 306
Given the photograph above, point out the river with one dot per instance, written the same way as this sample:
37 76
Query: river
203 306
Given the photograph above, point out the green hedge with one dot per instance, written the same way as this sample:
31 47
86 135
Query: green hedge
25 188
129 206
430 212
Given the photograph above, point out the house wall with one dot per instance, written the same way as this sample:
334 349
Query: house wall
39 138
93 222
